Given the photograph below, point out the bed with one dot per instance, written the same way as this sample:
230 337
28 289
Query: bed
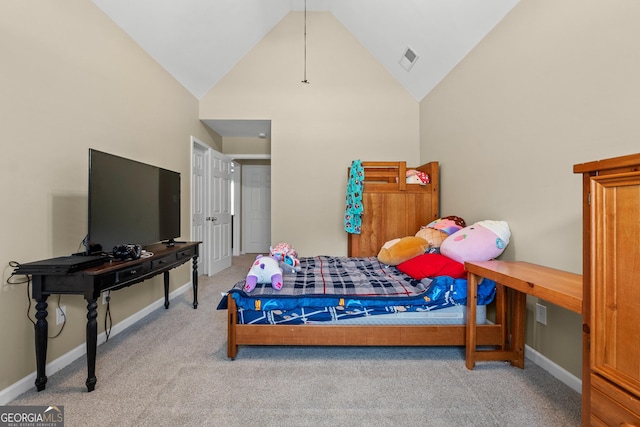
358 301
349 301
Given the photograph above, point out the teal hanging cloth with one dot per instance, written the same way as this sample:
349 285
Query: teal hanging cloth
354 208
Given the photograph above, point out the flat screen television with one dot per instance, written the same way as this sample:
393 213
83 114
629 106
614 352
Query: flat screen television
130 203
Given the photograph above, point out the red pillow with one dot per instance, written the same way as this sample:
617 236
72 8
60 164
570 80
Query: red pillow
431 265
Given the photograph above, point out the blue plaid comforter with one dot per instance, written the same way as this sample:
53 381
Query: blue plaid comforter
348 282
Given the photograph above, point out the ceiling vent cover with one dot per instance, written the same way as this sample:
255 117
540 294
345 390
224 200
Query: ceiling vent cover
408 59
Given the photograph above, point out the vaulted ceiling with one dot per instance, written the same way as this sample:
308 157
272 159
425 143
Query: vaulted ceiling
199 41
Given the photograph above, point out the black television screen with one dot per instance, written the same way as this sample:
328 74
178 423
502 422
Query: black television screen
130 203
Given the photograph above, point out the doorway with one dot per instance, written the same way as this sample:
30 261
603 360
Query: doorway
211 176
256 208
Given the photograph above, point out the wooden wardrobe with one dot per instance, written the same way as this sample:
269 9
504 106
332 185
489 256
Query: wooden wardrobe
393 208
611 297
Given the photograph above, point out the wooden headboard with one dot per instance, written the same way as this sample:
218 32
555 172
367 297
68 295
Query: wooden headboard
393 208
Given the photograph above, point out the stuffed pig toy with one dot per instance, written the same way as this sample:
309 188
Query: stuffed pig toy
264 270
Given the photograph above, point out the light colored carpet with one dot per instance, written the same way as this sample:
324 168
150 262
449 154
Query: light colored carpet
171 369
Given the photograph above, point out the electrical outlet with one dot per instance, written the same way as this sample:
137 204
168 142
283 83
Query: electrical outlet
61 314
105 297
541 313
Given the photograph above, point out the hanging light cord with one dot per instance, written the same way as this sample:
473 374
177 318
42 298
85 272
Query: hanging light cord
305 43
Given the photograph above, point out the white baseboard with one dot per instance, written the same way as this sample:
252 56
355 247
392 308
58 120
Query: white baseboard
16 389
554 369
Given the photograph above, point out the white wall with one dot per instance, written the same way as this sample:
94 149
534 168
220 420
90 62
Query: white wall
70 79
554 84
352 109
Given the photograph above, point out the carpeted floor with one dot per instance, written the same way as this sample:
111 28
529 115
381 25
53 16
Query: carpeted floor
171 369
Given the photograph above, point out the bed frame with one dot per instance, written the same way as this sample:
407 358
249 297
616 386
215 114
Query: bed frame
353 335
393 209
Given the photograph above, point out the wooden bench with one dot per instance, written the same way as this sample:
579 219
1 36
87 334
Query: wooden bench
514 281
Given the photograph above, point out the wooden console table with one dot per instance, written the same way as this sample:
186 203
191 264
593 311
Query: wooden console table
92 281
521 278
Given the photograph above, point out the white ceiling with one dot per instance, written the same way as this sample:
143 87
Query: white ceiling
199 41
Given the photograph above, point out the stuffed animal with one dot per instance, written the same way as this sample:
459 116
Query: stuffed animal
417 177
449 224
286 256
264 270
433 236
283 249
481 241
397 251
290 266
437 231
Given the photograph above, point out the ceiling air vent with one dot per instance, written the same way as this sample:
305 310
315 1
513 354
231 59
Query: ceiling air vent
408 59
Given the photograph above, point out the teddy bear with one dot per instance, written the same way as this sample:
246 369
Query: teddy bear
264 270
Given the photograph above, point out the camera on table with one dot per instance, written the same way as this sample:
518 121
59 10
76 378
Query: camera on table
127 252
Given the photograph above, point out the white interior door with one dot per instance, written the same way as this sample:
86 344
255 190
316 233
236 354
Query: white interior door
256 209
218 215
199 160
236 207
